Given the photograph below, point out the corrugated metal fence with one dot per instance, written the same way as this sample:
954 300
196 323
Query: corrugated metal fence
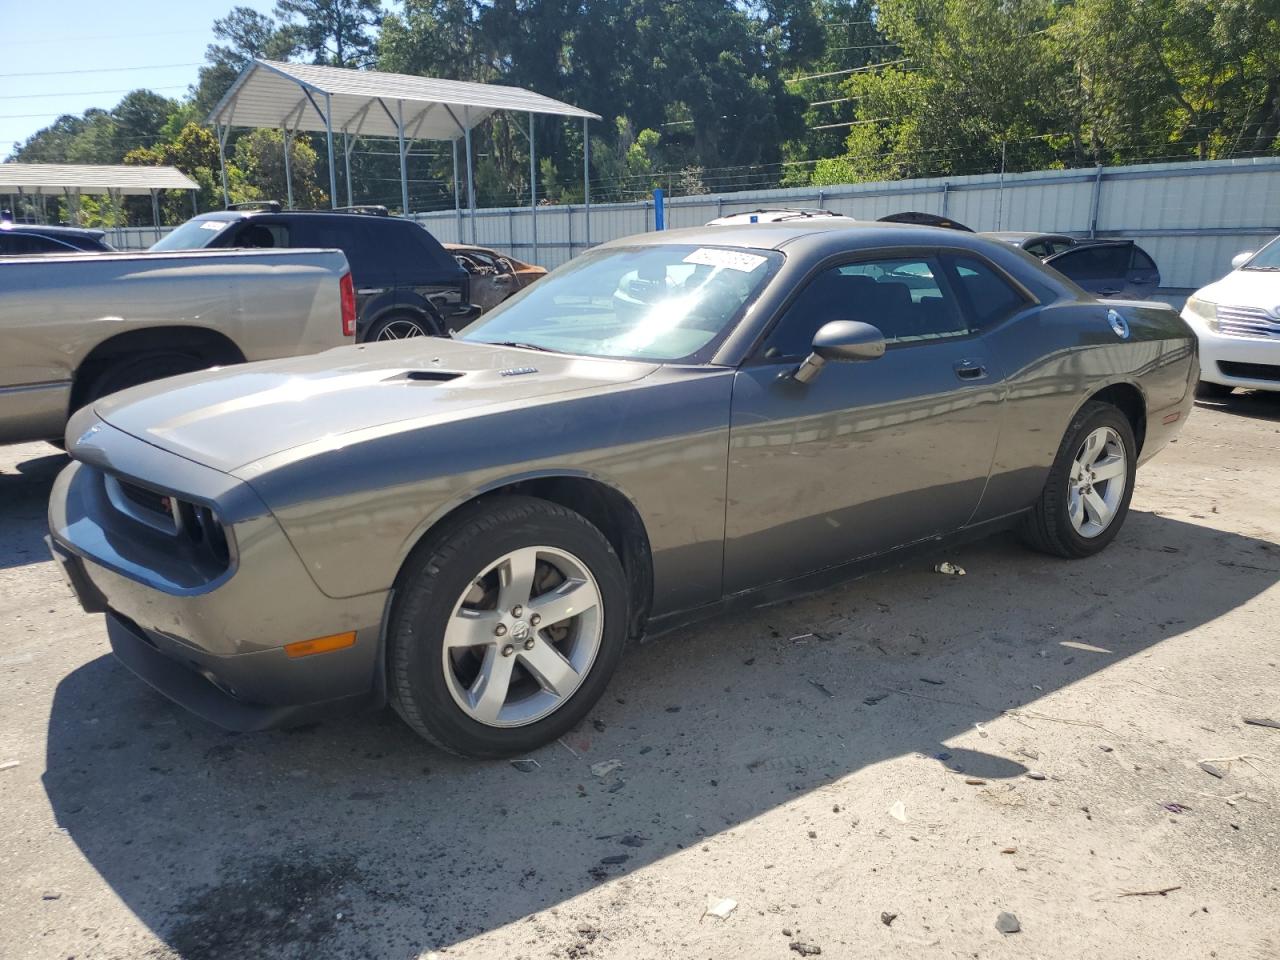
1191 217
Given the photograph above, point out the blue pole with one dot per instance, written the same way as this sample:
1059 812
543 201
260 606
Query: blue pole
659 213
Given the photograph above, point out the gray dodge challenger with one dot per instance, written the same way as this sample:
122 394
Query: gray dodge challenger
670 425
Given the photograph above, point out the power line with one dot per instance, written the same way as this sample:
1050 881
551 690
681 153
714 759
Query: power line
841 73
86 93
63 73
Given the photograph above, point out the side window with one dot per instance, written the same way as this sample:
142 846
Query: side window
1141 261
1100 262
25 244
987 296
1040 248
370 266
904 298
261 234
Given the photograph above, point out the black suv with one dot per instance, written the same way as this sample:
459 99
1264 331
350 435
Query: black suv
25 239
407 285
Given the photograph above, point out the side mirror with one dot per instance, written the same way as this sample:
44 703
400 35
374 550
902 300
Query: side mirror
841 341
1240 259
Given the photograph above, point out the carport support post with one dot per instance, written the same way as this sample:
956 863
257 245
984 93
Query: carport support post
222 130
346 159
155 211
328 133
288 170
471 180
457 192
586 180
533 189
404 170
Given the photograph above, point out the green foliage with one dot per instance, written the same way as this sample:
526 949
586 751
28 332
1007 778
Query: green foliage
702 95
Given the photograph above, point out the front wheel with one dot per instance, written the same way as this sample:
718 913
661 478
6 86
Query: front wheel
1086 496
506 628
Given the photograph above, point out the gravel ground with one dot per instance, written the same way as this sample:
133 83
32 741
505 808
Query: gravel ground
1030 725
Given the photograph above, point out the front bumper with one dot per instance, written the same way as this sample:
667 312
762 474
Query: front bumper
1248 362
216 648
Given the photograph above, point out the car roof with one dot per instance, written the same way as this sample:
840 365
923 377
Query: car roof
810 234
230 215
50 230
1010 235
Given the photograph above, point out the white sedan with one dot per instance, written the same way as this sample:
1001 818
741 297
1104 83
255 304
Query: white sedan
1237 320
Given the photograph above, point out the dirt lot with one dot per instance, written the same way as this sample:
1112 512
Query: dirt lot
763 760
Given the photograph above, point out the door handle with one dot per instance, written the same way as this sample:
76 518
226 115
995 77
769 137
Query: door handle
970 369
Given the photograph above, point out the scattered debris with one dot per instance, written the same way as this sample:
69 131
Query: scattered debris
9 764
605 767
805 949
615 859
801 637
574 753
1007 923
51 895
887 918
526 766
898 811
1175 807
817 686
1150 893
982 731
936 683
1028 753
813 834
1009 850
975 782
719 908
1212 770
871 701
673 709
599 725
944 756
950 569
1036 775
1105 748
1263 722
632 840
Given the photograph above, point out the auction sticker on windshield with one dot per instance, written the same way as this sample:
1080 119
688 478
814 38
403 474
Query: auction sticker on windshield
728 259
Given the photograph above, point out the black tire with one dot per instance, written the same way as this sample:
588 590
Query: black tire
131 371
1048 527
438 573
1213 391
425 327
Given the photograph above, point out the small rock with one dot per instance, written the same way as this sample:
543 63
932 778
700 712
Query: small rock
632 840
1008 923
605 767
943 756
786 931
1212 770
673 709
887 918
1105 748
51 895
1036 775
898 811
805 949
721 908
873 700
1175 807
813 834
1009 850
616 859
525 766
950 569
933 682
599 725
974 782
835 808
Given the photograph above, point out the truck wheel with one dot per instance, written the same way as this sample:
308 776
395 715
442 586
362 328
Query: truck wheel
1086 497
506 629
400 327
143 368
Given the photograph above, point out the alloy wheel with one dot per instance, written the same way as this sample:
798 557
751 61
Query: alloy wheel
400 330
1095 488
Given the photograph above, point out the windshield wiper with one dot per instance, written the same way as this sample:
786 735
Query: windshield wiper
521 346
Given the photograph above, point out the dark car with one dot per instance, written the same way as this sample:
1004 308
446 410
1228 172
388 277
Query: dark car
407 284
24 240
919 219
671 425
1040 245
1109 268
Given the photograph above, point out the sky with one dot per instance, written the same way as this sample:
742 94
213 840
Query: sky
65 56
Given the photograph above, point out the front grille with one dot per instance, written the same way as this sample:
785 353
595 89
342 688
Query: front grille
1250 371
192 525
1247 322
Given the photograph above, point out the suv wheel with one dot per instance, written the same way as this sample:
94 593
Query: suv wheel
399 327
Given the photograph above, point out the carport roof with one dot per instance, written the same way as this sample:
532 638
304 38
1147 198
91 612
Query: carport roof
55 178
290 96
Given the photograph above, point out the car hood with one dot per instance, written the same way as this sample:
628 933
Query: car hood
1246 288
230 417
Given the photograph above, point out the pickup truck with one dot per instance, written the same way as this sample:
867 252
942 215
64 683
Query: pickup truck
77 327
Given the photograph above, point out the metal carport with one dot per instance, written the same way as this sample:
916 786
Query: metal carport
71 181
295 96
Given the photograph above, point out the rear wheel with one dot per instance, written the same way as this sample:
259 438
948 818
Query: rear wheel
400 327
1213 391
506 628
1086 496
126 372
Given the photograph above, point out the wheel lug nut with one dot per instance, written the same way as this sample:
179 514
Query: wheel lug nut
535 619
528 644
500 630
508 650
517 610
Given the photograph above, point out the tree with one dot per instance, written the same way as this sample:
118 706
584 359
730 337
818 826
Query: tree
334 32
246 35
259 158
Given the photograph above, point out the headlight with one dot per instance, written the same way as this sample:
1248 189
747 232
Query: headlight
1204 310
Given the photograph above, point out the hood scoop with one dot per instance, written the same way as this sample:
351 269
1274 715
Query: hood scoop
425 376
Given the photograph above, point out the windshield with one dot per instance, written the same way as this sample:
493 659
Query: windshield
193 235
664 303
1268 258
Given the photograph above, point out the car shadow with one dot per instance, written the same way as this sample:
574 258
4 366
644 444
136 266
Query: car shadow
25 495
352 837
1255 404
